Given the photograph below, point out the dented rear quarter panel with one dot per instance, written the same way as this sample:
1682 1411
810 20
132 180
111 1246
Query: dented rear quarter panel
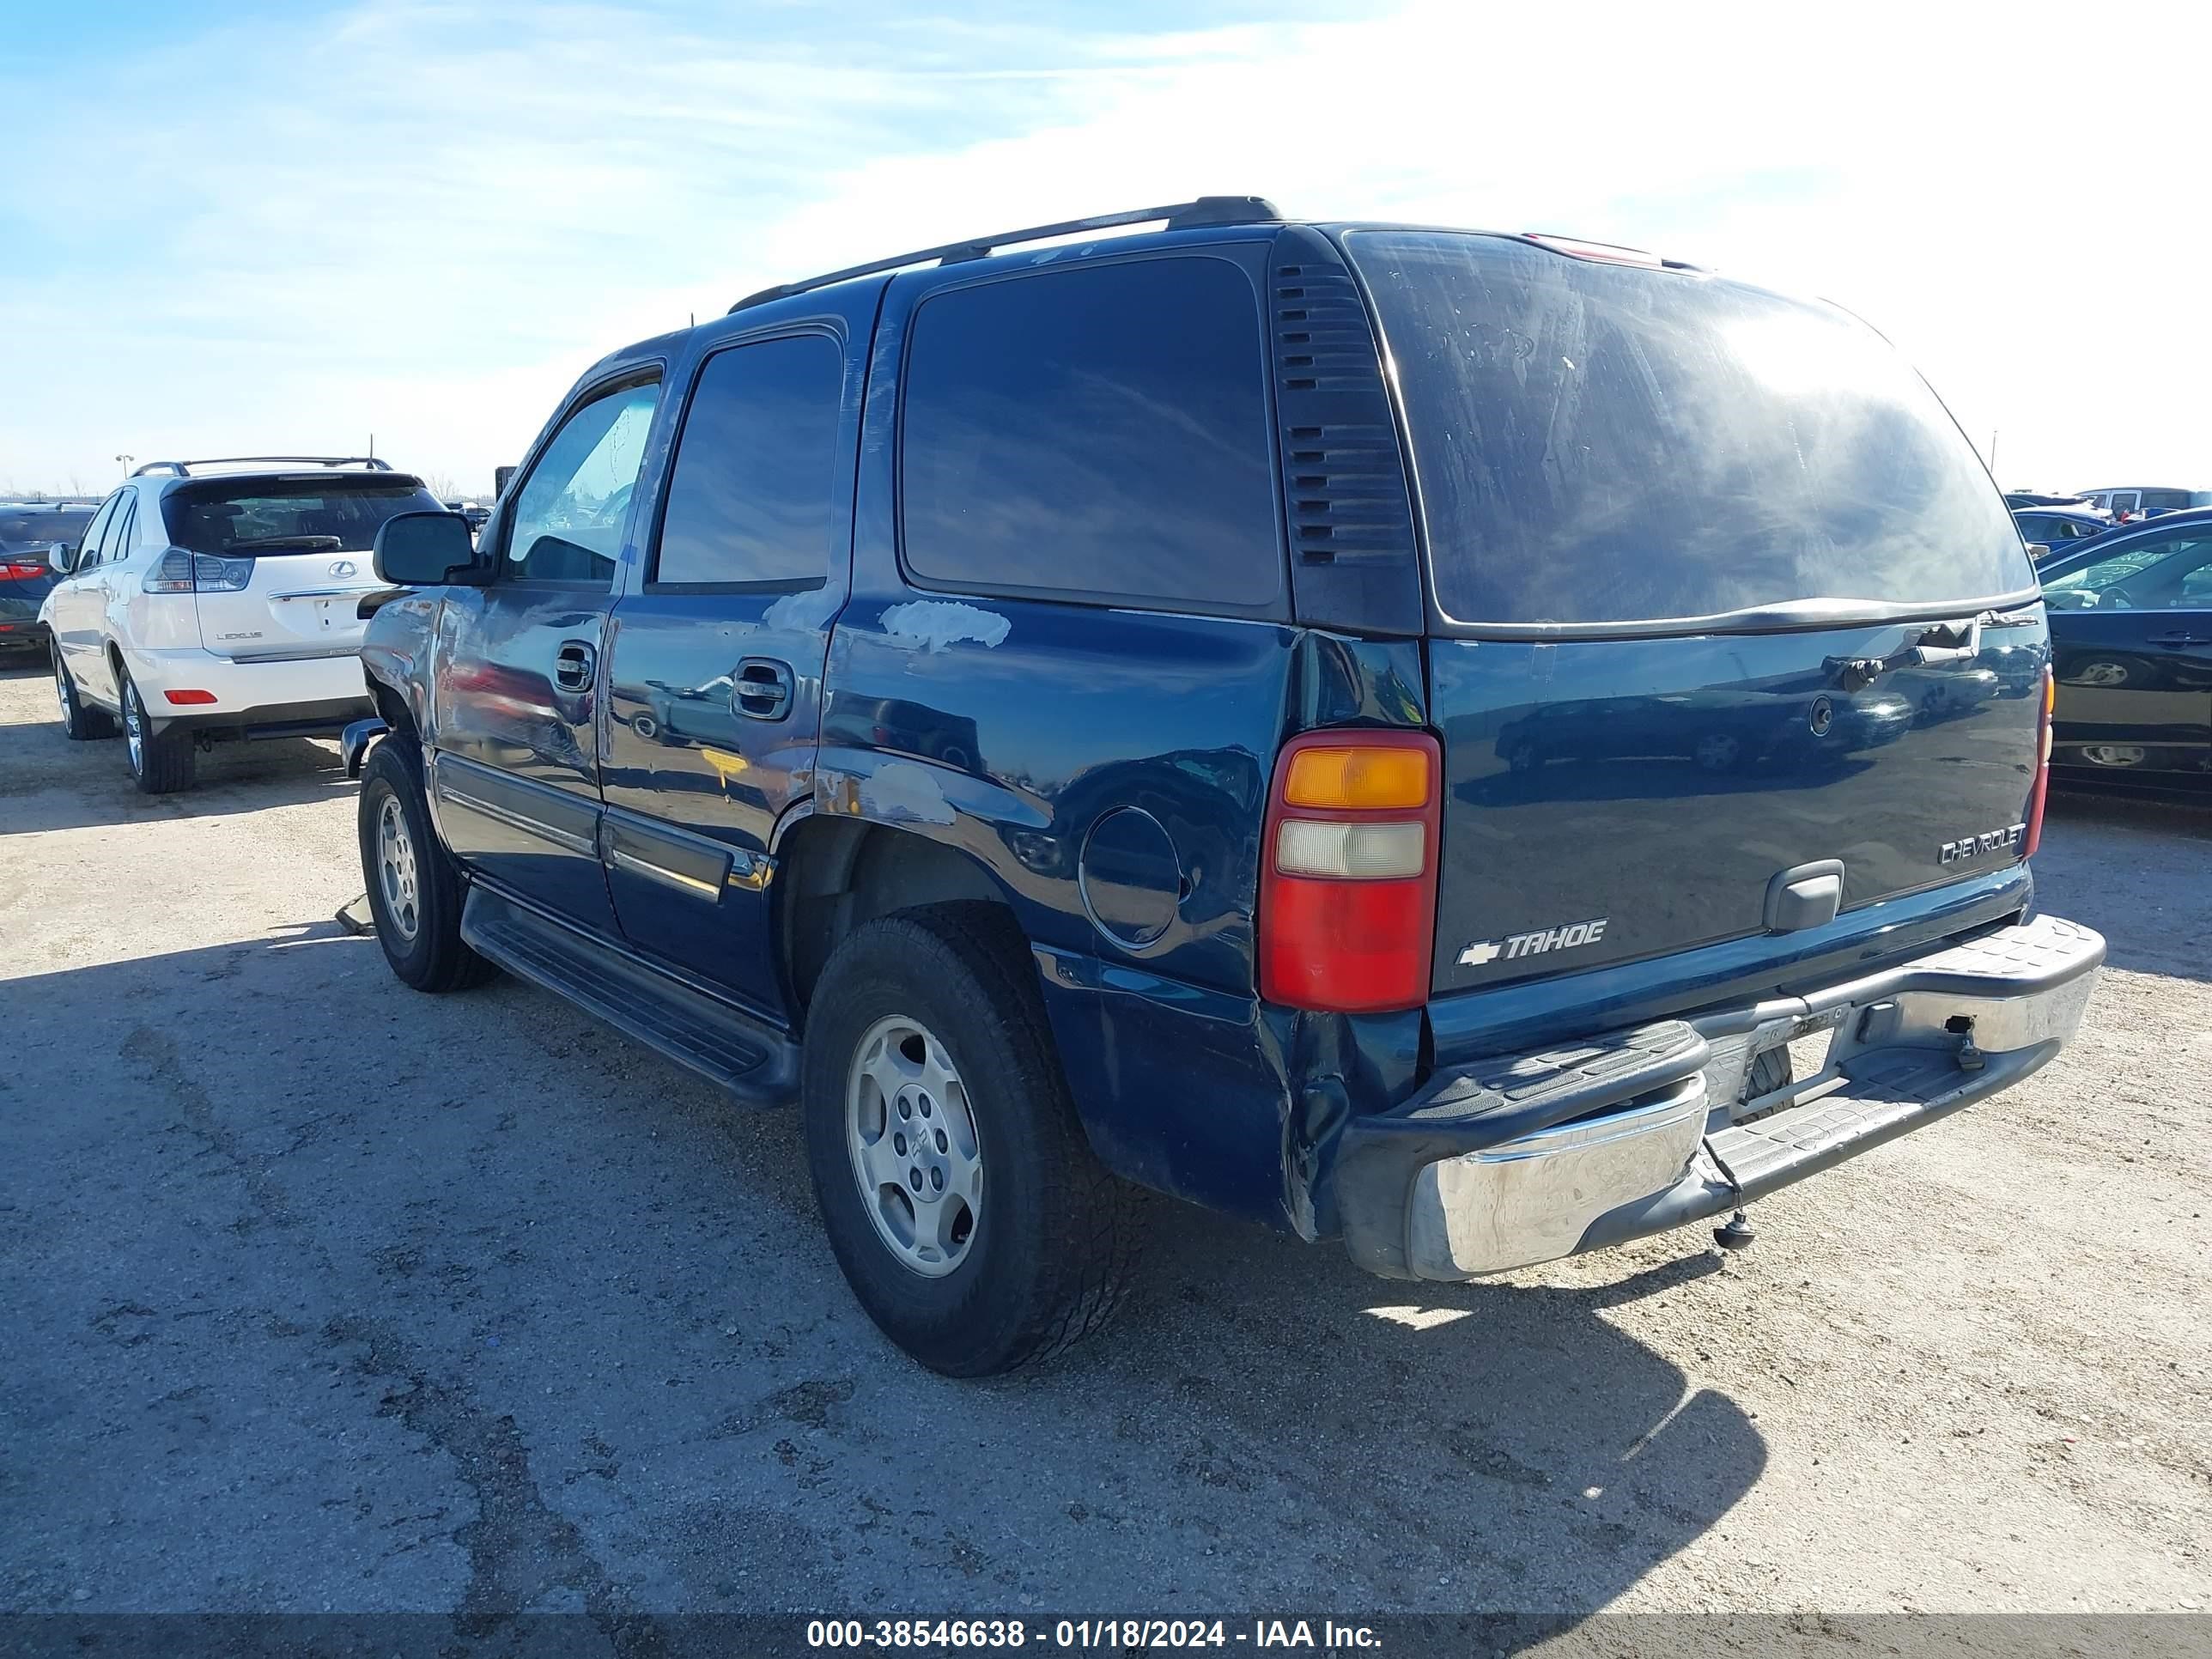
398 656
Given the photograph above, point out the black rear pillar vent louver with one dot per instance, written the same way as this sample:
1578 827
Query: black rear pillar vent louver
1354 560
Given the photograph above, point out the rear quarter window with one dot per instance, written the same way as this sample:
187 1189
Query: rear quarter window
1097 433
1597 444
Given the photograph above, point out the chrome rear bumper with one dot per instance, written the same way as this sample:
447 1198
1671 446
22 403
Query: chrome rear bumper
1525 1158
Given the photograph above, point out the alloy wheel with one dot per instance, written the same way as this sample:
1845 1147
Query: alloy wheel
134 727
911 1135
396 869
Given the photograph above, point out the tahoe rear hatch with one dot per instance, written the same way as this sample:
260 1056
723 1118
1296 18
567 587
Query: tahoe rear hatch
1718 591
276 566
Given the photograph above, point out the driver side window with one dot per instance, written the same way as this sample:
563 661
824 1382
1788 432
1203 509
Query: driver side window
87 547
570 512
2163 573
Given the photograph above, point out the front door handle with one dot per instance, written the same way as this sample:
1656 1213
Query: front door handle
572 665
2181 637
761 689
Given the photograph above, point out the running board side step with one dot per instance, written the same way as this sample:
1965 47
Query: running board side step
750 1058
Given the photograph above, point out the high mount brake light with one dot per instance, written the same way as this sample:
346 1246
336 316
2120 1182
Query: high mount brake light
1603 252
2041 791
1347 916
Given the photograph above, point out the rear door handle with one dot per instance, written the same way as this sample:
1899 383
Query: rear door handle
572 665
2181 637
762 688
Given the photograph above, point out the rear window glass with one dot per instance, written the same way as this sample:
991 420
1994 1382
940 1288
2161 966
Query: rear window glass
1100 432
21 529
1601 444
250 516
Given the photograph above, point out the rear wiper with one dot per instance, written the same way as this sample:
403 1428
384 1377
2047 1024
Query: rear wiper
305 543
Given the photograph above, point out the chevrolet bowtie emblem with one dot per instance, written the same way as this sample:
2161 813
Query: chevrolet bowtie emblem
1514 946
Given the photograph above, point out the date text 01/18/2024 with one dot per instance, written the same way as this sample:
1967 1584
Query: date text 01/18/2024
1323 1635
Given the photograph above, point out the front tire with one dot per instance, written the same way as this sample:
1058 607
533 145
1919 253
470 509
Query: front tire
415 888
161 762
974 1223
80 722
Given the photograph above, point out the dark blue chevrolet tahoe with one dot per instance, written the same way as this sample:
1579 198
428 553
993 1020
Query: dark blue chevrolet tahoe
1390 733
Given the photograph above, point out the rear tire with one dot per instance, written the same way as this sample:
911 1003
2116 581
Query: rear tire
415 888
161 763
1769 1071
80 722
942 1001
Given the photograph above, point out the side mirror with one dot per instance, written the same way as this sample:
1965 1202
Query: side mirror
2038 552
61 558
426 550
501 477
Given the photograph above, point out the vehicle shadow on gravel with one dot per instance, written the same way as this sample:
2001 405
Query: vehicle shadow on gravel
47 782
2136 871
595 1295
1475 1447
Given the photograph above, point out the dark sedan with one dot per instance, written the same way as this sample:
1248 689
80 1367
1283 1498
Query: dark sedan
2131 638
2056 528
28 530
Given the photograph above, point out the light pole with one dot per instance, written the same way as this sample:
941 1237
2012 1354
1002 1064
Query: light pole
126 460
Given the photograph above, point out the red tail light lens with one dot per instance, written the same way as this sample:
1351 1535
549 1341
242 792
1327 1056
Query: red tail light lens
1348 872
14 571
190 699
2036 796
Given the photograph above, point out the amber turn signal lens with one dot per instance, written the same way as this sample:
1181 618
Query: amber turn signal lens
1358 779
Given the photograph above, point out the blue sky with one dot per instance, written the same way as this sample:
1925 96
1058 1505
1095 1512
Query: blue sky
257 227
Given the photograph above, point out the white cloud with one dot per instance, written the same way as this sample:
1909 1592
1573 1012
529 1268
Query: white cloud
425 221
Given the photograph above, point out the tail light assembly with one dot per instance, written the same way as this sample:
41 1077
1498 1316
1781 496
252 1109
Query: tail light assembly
21 570
2042 789
179 572
1348 872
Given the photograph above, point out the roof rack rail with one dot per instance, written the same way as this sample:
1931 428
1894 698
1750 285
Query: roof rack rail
184 469
1180 215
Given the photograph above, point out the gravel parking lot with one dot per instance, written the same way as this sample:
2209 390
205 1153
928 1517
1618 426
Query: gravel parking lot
325 1295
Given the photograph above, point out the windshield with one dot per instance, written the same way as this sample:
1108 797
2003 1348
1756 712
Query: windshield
19 530
260 515
1597 443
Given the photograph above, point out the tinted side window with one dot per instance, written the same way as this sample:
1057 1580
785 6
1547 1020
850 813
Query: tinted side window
749 497
88 549
567 522
117 543
1099 431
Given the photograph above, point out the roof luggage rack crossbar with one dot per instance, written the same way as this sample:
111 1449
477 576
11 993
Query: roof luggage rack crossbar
184 469
1180 215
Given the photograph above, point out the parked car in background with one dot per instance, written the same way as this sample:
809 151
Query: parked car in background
211 600
475 513
29 531
2054 527
2133 501
2018 498
2131 638
1065 714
